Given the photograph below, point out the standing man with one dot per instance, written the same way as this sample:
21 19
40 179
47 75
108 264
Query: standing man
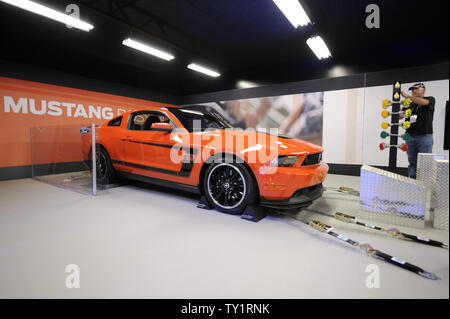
421 129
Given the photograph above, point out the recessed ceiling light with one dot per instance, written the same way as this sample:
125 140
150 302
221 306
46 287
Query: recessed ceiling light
319 47
242 84
148 49
293 11
50 13
202 69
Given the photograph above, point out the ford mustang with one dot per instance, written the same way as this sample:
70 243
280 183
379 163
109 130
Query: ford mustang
195 150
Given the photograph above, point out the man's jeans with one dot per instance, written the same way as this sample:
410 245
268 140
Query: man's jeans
418 144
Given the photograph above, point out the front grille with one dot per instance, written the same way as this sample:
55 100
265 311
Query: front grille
312 159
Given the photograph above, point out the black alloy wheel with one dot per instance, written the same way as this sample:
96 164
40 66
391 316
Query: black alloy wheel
229 187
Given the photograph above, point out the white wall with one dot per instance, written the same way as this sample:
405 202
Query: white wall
351 133
343 125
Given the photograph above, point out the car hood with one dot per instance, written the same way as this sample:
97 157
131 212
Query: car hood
258 141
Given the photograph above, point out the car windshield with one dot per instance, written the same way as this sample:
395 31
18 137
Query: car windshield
200 121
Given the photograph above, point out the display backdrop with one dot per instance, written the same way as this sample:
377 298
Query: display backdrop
296 115
26 104
347 123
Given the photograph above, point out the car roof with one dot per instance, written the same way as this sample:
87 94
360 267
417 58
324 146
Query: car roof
149 108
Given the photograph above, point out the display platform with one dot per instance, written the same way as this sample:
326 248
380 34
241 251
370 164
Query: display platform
142 241
80 182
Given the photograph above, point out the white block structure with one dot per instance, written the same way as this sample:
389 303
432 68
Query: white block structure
425 167
440 194
391 198
425 174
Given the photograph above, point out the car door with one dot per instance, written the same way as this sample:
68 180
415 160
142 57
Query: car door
147 151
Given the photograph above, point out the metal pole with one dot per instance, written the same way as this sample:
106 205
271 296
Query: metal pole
31 152
394 128
394 139
94 162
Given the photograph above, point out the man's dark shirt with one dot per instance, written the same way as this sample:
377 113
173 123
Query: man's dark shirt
424 122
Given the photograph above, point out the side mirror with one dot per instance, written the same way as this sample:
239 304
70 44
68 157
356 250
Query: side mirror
161 127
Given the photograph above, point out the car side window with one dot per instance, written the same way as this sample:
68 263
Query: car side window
144 121
115 122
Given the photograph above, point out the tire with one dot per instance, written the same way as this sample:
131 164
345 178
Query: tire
229 187
104 168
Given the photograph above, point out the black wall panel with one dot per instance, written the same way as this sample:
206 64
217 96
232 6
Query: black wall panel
423 73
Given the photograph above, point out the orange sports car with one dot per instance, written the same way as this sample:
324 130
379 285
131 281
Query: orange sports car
193 150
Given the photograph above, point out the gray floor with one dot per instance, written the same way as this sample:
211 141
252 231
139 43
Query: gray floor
138 241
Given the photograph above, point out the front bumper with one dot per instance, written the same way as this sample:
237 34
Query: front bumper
301 198
282 183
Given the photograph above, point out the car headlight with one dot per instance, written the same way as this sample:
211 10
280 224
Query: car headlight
284 161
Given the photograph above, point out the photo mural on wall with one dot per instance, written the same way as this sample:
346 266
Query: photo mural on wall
297 115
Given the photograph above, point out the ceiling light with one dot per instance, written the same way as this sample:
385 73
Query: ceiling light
293 11
242 84
337 71
50 13
148 49
319 47
202 69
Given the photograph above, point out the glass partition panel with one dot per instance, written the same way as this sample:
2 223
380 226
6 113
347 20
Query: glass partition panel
62 156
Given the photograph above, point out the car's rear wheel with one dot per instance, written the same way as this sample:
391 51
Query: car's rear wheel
104 169
229 187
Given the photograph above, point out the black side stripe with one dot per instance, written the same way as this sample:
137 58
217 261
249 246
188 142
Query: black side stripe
185 170
148 168
186 167
191 149
148 143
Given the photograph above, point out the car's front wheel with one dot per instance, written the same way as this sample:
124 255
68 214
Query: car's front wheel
229 187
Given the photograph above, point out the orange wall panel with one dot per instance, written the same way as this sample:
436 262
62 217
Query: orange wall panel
26 104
